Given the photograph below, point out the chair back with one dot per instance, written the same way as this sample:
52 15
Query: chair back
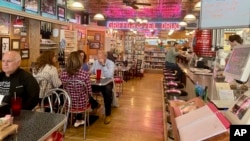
78 92
58 101
44 85
138 66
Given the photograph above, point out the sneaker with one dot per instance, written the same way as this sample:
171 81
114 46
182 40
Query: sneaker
78 123
107 120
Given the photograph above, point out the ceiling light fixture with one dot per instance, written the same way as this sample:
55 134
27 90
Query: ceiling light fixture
76 6
131 21
182 24
144 21
99 17
170 32
138 20
189 17
197 6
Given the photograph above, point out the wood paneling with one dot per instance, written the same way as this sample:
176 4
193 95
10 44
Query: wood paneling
34 42
102 41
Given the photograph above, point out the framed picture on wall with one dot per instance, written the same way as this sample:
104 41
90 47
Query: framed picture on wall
94 45
97 36
61 2
31 5
25 53
16 1
5 22
61 12
5 42
78 18
90 38
79 35
83 35
48 6
15 44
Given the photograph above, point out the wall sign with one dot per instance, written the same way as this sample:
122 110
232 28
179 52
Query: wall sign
150 25
217 14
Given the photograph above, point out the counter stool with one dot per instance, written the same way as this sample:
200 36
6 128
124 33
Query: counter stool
169 74
174 93
167 70
171 78
172 84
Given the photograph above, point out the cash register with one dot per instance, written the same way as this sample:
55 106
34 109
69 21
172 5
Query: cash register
237 68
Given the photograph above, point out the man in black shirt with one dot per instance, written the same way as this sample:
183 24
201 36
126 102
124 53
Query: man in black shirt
13 79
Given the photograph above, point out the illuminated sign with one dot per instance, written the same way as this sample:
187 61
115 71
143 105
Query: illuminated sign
149 25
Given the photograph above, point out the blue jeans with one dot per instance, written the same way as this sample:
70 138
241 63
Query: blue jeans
174 66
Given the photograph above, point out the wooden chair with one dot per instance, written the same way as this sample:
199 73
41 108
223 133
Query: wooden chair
59 102
78 92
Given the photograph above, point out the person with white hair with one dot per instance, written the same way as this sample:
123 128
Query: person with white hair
15 81
107 68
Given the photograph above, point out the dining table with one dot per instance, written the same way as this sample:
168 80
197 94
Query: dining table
36 126
101 82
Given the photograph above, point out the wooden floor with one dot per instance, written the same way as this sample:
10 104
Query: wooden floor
139 117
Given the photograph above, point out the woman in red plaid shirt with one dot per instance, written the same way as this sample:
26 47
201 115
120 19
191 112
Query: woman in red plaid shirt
73 71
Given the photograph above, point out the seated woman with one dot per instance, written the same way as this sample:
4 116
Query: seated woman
45 68
84 57
73 71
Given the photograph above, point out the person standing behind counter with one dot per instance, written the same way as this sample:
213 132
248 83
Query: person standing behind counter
235 40
13 79
107 70
170 59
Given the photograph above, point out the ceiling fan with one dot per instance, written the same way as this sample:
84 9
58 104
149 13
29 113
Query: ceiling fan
134 4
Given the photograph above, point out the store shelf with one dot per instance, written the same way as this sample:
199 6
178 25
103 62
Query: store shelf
48 44
134 47
154 59
47 48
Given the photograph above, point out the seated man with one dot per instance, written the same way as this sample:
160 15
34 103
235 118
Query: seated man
15 80
107 70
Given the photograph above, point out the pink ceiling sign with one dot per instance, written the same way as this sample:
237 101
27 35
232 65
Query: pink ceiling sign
150 25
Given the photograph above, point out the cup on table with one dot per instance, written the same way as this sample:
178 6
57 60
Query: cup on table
16 106
98 73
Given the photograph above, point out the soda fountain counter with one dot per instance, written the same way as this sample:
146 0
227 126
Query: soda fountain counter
193 78
212 77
